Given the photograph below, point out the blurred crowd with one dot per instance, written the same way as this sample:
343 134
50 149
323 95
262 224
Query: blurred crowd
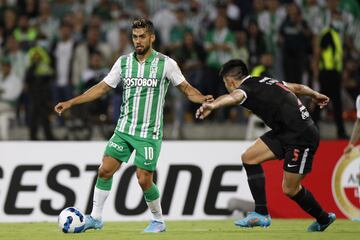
52 50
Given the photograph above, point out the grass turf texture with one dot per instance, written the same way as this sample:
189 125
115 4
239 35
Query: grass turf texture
185 230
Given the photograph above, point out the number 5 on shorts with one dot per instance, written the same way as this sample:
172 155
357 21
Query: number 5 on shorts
149 153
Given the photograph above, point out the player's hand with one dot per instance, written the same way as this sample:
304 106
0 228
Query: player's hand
204 110
208 98
348 149
62 106
321 100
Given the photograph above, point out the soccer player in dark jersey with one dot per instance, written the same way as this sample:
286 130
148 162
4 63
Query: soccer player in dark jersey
294 138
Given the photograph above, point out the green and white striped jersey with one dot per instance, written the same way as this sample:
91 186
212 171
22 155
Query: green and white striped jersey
145 85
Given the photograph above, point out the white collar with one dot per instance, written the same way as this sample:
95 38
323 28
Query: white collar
248 76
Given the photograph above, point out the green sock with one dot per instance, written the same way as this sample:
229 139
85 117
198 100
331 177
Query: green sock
104 184
152 193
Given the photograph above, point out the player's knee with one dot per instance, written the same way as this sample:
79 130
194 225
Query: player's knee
289 190
105 173
245 157
144 181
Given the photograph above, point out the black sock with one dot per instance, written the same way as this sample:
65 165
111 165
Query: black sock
308 203
256 180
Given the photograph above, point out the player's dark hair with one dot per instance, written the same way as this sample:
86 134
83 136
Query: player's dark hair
143 23
235 68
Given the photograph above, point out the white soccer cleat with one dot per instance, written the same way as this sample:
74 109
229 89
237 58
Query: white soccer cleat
155 227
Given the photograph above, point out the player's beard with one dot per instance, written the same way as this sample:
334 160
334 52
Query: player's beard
142 51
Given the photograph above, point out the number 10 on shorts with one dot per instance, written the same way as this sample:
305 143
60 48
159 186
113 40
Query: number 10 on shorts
149 153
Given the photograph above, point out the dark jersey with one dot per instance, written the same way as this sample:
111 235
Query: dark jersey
276 105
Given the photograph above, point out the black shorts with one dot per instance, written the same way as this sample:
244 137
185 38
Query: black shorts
298 153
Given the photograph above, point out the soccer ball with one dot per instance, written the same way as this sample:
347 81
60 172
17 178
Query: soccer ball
71 220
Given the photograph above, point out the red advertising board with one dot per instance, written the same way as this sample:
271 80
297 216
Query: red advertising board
333 181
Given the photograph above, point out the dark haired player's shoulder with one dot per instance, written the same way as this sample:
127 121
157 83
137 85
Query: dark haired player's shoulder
248 85
250 81
264 88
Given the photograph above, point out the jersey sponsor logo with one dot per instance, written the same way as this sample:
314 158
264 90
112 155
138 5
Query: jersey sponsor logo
270 81
346 183
266 80
116 146
140 82
304 112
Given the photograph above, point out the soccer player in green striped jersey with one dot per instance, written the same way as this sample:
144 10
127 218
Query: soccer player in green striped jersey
145 76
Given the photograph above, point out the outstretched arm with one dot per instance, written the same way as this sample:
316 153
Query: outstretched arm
300 89
236 97
193 94
93 93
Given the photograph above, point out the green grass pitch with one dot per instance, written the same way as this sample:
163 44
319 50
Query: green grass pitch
185 230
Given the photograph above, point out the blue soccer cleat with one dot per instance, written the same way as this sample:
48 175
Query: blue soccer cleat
254 219
92 223
357 219
155 227
317 227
